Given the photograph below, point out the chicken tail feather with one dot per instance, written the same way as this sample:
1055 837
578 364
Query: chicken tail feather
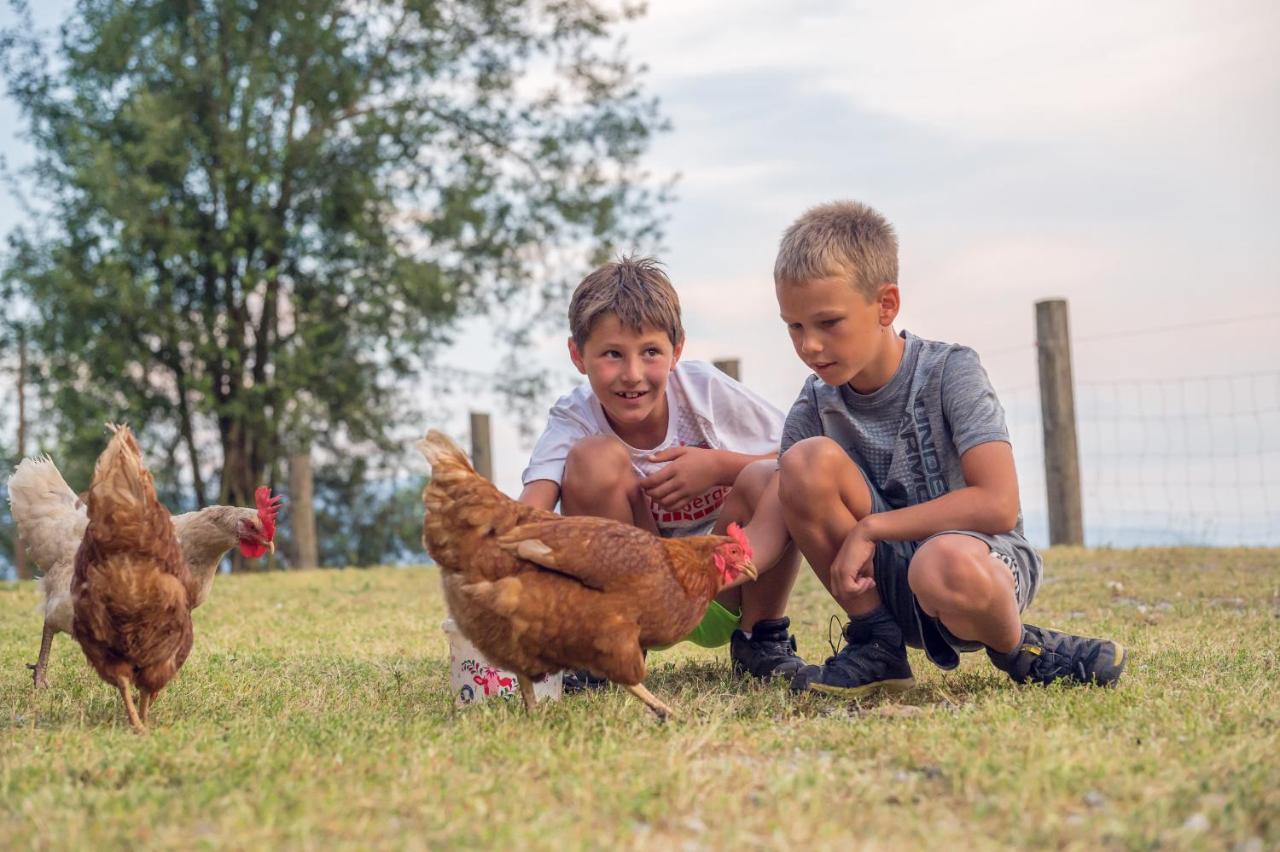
446 458
49 515
122 499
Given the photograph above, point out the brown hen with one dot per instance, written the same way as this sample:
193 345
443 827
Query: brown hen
538 592
131 591
51 521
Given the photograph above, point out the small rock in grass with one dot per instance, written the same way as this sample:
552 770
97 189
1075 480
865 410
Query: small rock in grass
1115 586
900 711
1197 823
1095 800
1253 844
695 824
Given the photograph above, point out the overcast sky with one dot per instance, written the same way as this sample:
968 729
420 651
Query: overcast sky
1122 156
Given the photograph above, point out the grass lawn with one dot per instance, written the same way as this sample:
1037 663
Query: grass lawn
314 712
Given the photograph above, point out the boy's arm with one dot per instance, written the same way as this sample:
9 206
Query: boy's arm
691 471
766 531
541 494
987 504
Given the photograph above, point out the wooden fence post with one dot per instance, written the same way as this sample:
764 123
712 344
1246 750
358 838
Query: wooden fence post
1058 418
481 445
728 366
302 513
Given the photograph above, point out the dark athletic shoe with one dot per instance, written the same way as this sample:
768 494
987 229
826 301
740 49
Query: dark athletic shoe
1044 656
866 664
770 652
582 680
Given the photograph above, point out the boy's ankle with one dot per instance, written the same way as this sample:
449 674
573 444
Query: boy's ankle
876 625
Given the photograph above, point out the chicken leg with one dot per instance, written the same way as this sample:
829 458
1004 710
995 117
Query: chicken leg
145 700
122 683
526 692
38 677
662 711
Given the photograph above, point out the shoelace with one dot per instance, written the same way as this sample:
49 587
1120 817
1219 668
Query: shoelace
835 651
1051 665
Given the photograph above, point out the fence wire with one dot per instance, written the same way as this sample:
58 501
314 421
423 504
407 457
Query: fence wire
1163 462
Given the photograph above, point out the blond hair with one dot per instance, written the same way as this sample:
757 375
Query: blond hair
635 290
841 238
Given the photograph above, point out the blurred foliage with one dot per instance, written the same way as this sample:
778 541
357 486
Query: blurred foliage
253 225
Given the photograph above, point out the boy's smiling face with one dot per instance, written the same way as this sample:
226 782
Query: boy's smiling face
840 335
628 371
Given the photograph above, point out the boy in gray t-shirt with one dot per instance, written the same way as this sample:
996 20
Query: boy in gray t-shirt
897 480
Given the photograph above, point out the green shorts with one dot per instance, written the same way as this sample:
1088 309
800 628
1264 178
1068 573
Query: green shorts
715 628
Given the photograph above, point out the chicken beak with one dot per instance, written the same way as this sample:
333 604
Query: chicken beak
749 569
271 545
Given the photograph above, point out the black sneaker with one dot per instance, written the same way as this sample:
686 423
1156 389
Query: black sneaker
582 680
869 662
770 652
1044 656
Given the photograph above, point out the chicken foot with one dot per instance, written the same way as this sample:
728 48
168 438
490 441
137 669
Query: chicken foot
662 711
38 677
122 683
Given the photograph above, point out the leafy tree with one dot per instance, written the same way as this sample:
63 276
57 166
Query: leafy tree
257 220
388 528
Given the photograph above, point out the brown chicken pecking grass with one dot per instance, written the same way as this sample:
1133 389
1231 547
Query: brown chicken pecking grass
538 592
132 591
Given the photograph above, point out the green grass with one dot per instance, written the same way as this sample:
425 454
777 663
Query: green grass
314 712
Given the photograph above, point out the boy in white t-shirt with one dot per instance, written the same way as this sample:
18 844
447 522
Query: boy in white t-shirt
677 448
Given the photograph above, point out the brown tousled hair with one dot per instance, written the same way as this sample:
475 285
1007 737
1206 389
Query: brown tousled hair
635 290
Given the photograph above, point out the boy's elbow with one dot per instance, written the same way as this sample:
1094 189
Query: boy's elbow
1003 515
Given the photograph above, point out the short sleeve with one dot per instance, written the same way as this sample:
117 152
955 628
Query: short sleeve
743 421
802 420
563 430
969 402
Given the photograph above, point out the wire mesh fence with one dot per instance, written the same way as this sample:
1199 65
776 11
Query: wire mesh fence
1194 460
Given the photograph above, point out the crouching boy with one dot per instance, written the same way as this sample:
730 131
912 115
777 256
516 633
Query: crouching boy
897 479
674 447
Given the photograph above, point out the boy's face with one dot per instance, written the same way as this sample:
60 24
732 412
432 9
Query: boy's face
838 333
628 372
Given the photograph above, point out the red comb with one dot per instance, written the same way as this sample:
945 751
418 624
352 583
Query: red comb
736 533
267 508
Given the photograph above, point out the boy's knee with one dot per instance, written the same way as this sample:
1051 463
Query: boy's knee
809 467
753 479
596 464
949 574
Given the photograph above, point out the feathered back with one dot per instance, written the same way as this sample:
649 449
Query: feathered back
124 513
50 517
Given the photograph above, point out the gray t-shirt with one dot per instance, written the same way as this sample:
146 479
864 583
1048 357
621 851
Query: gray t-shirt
909 435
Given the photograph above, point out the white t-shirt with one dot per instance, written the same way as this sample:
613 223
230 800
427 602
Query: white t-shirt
705 408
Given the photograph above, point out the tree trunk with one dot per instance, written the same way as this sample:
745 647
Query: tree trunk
20 550
237 478
302 515
189 438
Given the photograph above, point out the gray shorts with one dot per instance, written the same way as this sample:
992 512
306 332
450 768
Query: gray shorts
893 561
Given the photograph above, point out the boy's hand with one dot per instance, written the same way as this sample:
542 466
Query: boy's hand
853 569
689 472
